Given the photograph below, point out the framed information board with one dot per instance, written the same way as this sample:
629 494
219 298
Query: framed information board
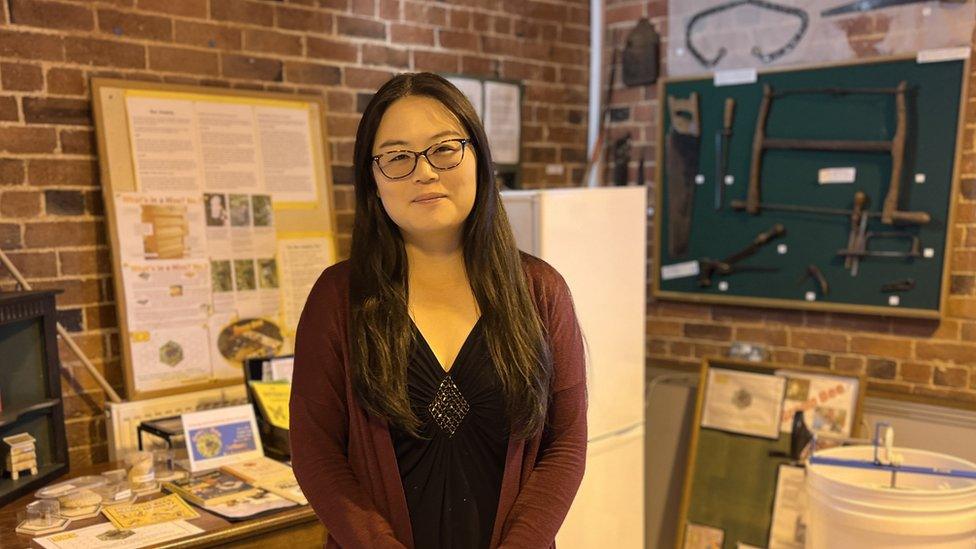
824 188
739 451
220 218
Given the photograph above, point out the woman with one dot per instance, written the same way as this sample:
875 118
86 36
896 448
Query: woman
439 394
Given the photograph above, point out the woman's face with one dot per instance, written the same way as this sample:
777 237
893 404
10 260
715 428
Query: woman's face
415 123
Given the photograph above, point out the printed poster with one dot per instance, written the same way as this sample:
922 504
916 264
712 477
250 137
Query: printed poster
221 436
743 402
828 402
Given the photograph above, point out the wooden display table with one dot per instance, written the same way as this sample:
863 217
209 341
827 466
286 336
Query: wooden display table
291 527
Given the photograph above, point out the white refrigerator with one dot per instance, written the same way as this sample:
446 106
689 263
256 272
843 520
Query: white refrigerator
596 237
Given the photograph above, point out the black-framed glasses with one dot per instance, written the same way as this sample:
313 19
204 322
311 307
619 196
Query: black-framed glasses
443 156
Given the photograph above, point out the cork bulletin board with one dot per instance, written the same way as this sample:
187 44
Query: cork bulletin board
827 133
220 218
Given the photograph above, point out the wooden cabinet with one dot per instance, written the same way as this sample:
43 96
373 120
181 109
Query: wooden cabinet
30 388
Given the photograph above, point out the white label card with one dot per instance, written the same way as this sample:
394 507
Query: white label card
942 54
735 76
679 270
828 176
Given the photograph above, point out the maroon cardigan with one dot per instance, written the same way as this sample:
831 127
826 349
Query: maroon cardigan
343 457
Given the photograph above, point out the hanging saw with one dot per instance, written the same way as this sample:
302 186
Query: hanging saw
601 137
681 150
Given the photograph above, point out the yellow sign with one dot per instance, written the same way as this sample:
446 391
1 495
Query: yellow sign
272 397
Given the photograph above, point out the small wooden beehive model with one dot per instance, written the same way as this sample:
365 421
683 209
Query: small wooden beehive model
21 455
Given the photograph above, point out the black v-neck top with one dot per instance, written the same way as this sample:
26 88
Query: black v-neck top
452 478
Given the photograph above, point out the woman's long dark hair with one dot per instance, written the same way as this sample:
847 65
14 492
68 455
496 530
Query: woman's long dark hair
379 332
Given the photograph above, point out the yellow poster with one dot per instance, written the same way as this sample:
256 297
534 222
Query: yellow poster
273 397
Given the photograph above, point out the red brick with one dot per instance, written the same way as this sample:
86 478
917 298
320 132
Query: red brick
21 77
33 264
836 343
374 54
305 20
320 48
64 233
207 35
242 11
11 171
457 40
10 236
425 13
410 34
135 25
51 15
364 7
658 328
366 78
624 14
359 27
9 110
77 142
817 360
961 307
182 60
28 140
109 53
942 394
20 204
916 372
87 262
950 377
186 8
436 62
849 364
962 353
708 331
878 346
100 316
263 41
875 387
881 368
30 45
963 260
57 110
391 10
311 73
769 336
41 171
64 81
76 291
251 68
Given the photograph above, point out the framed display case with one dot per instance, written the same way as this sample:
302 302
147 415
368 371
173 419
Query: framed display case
30 388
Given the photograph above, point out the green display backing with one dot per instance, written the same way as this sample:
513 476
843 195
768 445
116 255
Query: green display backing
790 177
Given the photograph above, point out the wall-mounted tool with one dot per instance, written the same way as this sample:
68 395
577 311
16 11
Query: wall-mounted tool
598 145
913 251
914 218
640 171
722 138
857 215
682 156
870 5
904 285
621 160
895 147
710 267
756 52
814 272
641 54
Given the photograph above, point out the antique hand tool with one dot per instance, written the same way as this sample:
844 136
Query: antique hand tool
756 52
913 218
709 267
598 145
860 201
814 272
722 138
621 160
914 249
895 147
870 5
682 166
903 285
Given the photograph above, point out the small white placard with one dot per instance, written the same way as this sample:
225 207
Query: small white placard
894 300
723 286
920 178
699 179
810 296
942 54
729 179
828 176
679 270
781 249
928 253
735 76
221 436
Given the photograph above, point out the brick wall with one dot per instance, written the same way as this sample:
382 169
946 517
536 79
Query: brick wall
51 215
921 359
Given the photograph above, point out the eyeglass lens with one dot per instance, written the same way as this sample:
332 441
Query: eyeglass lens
442 156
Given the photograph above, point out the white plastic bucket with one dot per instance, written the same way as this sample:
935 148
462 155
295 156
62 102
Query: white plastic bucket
856 508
